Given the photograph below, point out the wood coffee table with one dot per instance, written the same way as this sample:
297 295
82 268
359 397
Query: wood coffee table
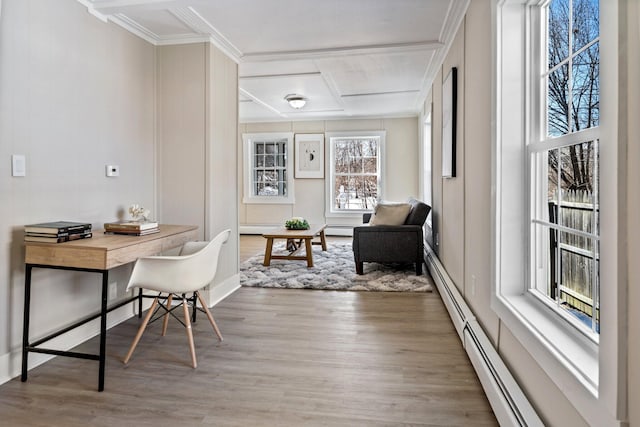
306 235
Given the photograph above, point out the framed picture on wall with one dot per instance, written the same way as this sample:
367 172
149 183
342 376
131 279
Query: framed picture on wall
309 155
449 108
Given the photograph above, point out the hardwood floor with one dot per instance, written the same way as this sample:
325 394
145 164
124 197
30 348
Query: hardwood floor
289 358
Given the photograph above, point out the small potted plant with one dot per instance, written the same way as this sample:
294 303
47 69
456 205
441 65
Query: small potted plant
297 223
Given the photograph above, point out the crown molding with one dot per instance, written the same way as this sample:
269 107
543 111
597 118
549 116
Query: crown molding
455 15
275 76
190 17
391 92
259 102
341 51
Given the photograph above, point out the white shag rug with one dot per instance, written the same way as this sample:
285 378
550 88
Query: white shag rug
332 270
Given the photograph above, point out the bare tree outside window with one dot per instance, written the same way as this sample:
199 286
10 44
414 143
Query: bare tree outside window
572 82
355 173
573 87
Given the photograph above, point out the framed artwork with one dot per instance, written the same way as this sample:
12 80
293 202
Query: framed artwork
309 155
449 108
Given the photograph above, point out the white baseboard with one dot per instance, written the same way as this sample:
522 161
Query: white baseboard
510 405
222 290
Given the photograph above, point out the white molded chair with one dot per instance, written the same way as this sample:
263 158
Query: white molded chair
191 270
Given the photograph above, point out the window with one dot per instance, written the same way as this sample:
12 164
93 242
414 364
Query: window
355 171
554 182
268 168
564 165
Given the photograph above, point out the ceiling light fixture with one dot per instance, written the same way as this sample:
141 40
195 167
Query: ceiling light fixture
296 101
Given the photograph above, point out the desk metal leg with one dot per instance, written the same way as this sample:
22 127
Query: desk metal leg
25 326
103 329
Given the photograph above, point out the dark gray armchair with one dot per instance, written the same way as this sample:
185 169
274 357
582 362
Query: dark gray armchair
392 243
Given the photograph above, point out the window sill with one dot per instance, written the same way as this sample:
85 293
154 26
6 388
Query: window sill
557 346
268 200
346 214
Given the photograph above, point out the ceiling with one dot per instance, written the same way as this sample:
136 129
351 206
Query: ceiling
348 58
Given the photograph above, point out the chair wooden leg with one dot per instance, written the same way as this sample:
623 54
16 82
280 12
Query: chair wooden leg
359 267
187 324
141 329
165 320
213 322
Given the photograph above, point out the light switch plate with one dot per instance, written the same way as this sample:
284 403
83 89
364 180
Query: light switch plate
18 165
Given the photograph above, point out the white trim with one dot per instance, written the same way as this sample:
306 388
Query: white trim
248 143
577 366
342 51
329 162
510 405
214 295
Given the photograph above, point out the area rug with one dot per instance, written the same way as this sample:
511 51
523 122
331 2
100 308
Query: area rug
333 269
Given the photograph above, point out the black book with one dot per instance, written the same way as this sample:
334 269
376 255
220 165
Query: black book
57 227
52 238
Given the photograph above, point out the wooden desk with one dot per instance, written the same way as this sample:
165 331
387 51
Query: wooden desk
306 235
97 254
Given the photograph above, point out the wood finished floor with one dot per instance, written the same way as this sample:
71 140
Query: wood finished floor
289 358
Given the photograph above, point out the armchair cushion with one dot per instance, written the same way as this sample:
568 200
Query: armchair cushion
390 214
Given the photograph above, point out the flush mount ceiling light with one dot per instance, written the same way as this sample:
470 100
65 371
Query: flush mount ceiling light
296 101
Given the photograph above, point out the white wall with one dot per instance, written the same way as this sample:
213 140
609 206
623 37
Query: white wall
402 159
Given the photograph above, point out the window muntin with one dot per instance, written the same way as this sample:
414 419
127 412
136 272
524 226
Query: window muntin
355 171
268 166
564 168
573 66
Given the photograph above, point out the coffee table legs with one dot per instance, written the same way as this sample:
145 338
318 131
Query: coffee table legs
307 246
267 253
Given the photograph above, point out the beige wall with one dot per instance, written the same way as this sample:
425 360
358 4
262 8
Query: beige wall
222 174
182 163
401 168
464 203
630 16
75 95
197 131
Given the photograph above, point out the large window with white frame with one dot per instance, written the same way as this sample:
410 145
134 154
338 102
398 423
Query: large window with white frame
355 171
548 177
563 154
268 166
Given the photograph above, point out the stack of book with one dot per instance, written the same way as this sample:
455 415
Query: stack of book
132 228
57 232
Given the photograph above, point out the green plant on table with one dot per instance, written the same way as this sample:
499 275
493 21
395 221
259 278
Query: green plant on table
297 223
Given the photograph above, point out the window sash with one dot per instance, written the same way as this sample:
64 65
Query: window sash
268 168
542 141
355 199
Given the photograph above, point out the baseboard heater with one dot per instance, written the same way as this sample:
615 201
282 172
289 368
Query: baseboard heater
510 406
